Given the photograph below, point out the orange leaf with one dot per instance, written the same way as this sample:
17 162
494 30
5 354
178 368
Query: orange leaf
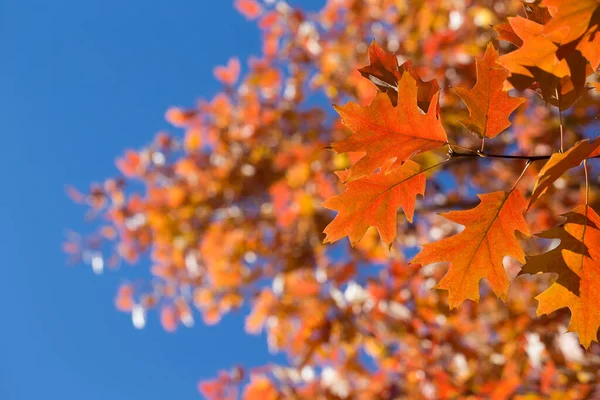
582 225
193 140
383 70
373 201
572 17
478 251
385 132
248 8
588 45
168 318
540 63
260 388
537 50
560 163
228 74
124 300
129 164
75 194
507 33
553 262
179 117
489 104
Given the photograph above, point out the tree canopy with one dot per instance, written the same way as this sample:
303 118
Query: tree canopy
459 161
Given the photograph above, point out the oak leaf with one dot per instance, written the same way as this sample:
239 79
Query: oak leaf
538 63
538 50
386 132
553 261
536 12
573 18
479 250
489 104
383 70
559 163
508 34
373 201
582 224
589 46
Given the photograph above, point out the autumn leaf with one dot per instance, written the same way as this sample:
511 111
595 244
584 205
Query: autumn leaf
560 163
479 250
589 46
260 388
538 50
383 70
179 117
572 17
229 73
582 224
168 318
373 201
539 62
579 24
130 164
553 261
124 300
384 132
250 9
489 104
507 33
535 11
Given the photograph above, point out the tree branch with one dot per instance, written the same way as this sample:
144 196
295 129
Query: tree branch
453 154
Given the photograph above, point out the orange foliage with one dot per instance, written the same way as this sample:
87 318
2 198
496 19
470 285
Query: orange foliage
478 251
231 209
488 102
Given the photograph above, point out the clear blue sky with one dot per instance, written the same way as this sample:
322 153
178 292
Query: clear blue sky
80 81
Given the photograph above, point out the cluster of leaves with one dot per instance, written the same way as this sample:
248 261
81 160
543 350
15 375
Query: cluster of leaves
232 213
392 129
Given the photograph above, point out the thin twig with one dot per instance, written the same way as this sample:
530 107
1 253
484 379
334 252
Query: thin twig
505 156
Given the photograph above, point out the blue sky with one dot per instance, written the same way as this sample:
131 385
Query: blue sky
80 81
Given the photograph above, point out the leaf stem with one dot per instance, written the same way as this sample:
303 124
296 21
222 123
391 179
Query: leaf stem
562 134
521 176
587 183
452 145
435 165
